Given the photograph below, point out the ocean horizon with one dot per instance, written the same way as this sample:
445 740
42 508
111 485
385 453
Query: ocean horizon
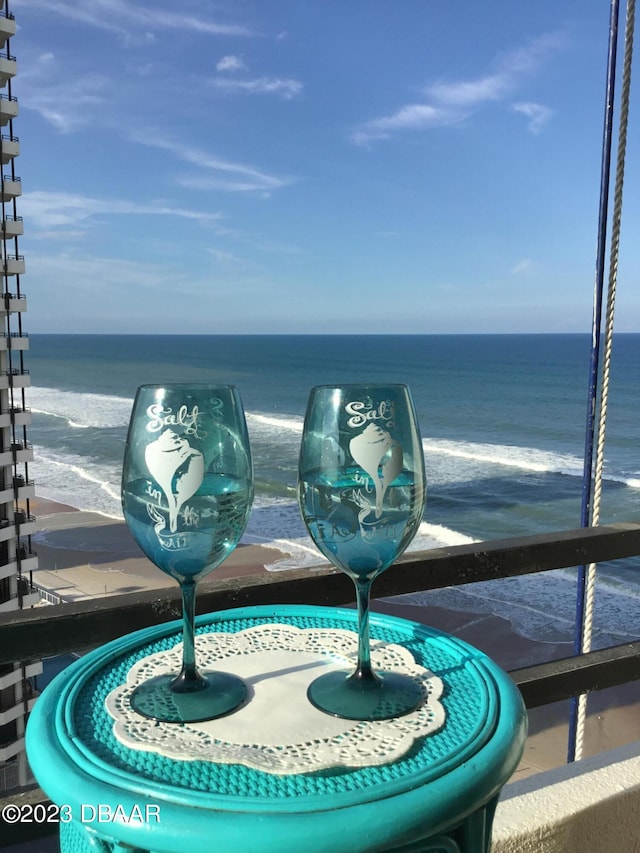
502 418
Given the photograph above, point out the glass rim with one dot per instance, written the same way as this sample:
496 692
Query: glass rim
348 385
195 385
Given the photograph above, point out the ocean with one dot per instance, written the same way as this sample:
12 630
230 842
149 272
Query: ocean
502 419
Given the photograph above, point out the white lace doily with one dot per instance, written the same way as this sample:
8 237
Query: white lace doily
278 731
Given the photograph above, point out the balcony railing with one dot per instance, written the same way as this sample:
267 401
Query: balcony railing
78 626
23 552
8 296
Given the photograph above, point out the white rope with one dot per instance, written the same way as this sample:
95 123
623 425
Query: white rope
606 361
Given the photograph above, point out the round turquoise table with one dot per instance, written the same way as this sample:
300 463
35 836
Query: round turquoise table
272 778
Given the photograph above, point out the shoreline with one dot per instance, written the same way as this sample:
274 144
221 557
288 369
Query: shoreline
85 555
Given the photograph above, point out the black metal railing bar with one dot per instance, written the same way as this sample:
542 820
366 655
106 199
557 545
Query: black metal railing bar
77 626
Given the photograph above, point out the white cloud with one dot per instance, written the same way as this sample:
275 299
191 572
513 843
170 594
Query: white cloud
227 259
527 59
67 106
469 92
410 117
91 273
228 185
230 63
537 114
98 284
260 86
216 173
42 60
522 266
61 235
58 209
450 102
120 16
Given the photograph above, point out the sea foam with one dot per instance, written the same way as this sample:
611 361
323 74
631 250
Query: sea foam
81 410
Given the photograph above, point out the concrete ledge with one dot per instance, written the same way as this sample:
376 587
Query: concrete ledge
591 805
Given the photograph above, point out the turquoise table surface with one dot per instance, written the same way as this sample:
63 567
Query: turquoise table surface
439 795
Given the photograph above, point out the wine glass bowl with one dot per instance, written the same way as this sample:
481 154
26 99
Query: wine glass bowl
361 490
187 489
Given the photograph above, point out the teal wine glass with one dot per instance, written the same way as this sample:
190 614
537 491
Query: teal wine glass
187 489
361 490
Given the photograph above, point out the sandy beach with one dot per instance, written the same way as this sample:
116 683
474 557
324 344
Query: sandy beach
86 555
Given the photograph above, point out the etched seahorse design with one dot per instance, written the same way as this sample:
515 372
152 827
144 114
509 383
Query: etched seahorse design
380 456
177 468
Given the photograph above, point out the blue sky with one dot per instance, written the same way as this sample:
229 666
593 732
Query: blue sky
352 166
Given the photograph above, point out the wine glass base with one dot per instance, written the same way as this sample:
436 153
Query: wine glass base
217 695
382 697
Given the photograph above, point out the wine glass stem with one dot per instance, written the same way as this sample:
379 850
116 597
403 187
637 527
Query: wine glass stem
189 672
363 590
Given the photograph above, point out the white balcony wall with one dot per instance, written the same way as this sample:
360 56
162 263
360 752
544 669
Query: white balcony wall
11 714
14 304
13 677
11 749
8 110
20 342
7 531
24 455
10 679
14 266
20 380
8 607
8 70
21 417
10 148
7 27
11 189
28 527
29 564
590 805
7 571
13 227
33 669
30 600
26 491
